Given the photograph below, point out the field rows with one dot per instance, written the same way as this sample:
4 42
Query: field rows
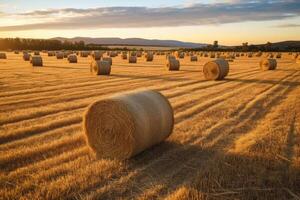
236 138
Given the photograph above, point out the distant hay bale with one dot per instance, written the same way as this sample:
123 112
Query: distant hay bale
170 57
216 69
278 55
180 55
212 55
96 55
113 54
36 53
124 125
139 54
149 57
84 54
259 54
173 64
59 55
270 55
67 53
133 53
205 55
132 59
268 64
108 60
16 52
36 61
100 67
3 56
51 53
194 58
72 58
124 56
250 55
26 56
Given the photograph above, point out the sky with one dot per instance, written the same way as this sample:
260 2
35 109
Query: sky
231 22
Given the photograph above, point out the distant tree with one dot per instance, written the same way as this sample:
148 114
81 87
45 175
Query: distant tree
216 45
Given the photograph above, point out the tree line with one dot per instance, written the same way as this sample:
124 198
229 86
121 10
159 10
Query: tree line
43 44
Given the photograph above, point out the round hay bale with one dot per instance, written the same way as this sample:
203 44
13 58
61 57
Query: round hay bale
124 56
270 55
268 64
101 67
36 61
149 57
181 55
113 54
173 64
133 53
171 57
26 56
96 55
84 53
51 53
122 126
59 55
216 69
72 58
36 53
3 56
16 52
132 59
108 60
250 55
278 55
212 55
139 54
194 58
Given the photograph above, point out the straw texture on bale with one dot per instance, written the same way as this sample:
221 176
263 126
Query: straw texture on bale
132 59
72 58
100 67
96 55
59 55
3 56
108 60
149 57
216 69
268 64
122 126
173 64
194 58
26 56
36 61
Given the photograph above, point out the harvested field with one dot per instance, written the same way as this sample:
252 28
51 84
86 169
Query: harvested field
238 138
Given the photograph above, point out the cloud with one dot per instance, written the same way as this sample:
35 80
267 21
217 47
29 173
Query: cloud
135 17
287 26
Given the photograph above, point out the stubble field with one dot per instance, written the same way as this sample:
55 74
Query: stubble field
233 139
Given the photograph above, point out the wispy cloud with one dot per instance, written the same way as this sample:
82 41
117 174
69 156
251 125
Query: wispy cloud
125 17
287 26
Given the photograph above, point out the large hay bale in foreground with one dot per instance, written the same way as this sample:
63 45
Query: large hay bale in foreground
3 56
216 69
72 58
173 64
268 64
101 67
132 59
122 126
108 59
36 61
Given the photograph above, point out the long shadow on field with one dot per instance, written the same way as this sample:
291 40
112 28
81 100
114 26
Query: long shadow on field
209 174
272 82
55 67
152 77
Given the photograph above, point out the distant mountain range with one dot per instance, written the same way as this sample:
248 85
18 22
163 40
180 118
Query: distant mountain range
133 42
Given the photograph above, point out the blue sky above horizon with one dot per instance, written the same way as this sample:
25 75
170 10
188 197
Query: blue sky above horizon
229 21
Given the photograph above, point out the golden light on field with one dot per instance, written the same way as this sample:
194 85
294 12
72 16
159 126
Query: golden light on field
240 134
